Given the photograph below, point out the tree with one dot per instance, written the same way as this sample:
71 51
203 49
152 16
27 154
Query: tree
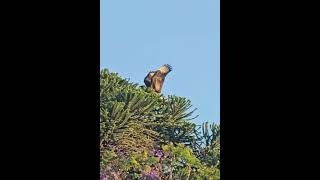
207 146
136 121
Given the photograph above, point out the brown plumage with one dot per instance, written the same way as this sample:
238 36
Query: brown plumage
155 79
147 79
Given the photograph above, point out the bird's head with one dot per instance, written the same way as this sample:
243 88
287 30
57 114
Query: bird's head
166 68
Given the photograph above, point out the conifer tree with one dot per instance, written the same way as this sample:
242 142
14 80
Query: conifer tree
136 123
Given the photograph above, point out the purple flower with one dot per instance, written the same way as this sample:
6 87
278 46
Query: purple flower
152 175
159 153
153 151
103 177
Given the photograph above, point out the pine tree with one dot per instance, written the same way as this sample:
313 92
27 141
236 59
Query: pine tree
136 123
133 118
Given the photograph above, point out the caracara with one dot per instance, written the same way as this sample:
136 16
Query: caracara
155 79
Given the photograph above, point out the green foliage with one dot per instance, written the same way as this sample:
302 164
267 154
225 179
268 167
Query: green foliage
143 134
185 165
132 118
124 111
207 148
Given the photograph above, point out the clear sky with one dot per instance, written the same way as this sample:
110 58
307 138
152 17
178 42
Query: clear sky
141 35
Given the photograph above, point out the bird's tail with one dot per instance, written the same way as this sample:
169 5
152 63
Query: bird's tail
166 68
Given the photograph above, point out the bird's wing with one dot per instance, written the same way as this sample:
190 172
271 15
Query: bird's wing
157 82
147 79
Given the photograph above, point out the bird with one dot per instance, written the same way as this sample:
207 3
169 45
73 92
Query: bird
155 79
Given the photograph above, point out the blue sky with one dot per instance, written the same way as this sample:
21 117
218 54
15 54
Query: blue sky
141 35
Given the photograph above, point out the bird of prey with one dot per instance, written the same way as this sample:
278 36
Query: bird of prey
155 79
